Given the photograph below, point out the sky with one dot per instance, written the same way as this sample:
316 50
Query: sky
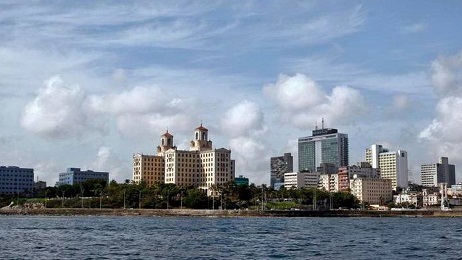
89 83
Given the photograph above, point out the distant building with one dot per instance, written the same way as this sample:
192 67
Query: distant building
392 165
278 166
372 190
435 173
241 181
301 180
415 199
76 176
361 170
327 168
430 198
329 182
40 185
14 180
325 145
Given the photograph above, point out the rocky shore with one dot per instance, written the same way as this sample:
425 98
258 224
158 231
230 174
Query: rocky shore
226 213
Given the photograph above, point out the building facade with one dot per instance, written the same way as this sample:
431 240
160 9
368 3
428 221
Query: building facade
241 181
76 176
15 180
393 165
435 173
372 190
329 182
325 145
301 180
278 166
149 169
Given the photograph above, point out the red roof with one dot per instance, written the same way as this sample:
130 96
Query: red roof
201 128
167 134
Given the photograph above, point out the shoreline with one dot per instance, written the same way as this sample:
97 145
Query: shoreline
226 213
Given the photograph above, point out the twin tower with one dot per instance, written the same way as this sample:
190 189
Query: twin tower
200 142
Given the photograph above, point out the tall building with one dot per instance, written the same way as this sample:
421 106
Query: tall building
325 145
151 168
14 180
75 176
435 173
393 165
201 167
280 165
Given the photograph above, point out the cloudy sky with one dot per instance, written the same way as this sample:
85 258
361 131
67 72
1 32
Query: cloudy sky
87 84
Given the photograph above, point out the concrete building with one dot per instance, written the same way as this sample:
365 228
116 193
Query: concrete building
301 180
278 166
329 182
430 198
372 190
435 173
15 180
415 199
325 145
202 166
392 165
76 176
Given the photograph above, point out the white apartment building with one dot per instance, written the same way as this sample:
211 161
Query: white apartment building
392 165
372 190
329 182
301 180
435 173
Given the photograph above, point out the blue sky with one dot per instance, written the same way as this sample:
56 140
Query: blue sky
87 84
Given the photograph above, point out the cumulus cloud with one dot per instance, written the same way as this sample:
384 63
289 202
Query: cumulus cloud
443 131
302 101
61 110
58 111
107 161
244 124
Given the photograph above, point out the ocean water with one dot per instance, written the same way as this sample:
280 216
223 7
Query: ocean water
101 237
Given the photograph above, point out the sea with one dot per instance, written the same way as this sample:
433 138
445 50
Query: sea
136 237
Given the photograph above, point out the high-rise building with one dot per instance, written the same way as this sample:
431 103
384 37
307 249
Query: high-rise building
280 165
14 180
393 165
202 166
75 176
325 145
435 173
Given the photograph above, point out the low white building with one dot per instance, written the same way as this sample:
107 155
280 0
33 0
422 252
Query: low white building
430 199
411 198
301 180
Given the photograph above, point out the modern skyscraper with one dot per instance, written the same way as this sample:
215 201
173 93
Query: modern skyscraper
280 165
392 165
325 145
435 173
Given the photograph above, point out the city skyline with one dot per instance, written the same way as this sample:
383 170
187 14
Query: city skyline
89 84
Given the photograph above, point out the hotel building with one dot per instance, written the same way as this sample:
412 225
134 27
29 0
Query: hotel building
325 145
372 190
202 166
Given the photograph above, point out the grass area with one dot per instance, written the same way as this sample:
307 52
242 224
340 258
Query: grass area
282 205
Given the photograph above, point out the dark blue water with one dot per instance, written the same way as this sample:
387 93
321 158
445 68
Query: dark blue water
229 238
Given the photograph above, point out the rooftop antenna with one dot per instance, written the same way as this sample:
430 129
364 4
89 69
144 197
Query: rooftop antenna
167 129
322 123
316 128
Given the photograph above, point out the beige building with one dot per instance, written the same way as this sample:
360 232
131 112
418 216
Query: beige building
372 190
392 165
301 180
201 167
148 168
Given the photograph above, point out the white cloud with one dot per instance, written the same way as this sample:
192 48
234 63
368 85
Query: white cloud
414 28
443 132
106 161
244 123
302 102
58 111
